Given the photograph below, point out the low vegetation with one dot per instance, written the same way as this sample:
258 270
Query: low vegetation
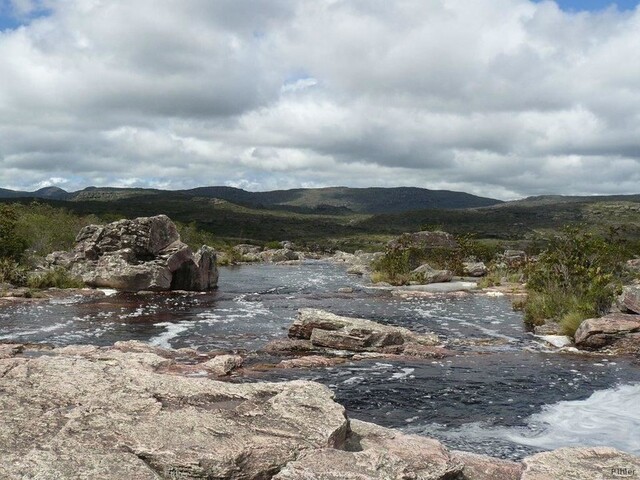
576 277
397 265
56 278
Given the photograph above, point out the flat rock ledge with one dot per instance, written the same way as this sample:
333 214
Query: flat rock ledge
86 412
327 330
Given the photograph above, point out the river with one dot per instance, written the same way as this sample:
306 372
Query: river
503 394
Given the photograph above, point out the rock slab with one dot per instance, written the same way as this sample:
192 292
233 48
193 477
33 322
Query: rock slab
113 416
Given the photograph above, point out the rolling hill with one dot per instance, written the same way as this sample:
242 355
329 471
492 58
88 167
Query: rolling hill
334 200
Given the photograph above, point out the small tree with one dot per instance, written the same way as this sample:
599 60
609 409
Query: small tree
12 245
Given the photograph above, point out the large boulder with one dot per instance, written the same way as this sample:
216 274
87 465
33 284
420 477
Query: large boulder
425 274
424 241
610 330
474 269
595 463
325 329
629 300
141 254
113 415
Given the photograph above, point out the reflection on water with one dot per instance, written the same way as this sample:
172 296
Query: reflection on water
505 398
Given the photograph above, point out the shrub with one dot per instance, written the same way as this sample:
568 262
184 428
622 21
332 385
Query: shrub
273 245
58 278
576 276
11 272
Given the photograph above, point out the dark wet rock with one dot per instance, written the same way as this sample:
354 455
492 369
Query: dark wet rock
115 417
595 463
609 331
223 364
375 452
474 269
482 467
424 241
425 274
328 330
141 254
629 300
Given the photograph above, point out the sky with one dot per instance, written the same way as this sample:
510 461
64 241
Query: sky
500 98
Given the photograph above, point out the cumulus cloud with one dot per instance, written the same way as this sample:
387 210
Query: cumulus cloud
503 98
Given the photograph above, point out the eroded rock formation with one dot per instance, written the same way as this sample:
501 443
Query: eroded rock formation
141 254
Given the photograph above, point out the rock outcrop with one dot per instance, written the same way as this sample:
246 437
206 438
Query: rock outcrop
123 412
141 254
324 329
617 330
629 300
91 415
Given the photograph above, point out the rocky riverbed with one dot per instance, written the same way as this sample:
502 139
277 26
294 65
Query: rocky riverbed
498 390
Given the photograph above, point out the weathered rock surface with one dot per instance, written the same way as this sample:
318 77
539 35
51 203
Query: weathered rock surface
609 330
141 254
599 463
328 330
85 412
223 364
424 241
110 415
280 255
474 269
629 300
376 453
482 467
360 262
311 361
425 274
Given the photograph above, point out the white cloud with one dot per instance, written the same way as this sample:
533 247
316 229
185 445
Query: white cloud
497 97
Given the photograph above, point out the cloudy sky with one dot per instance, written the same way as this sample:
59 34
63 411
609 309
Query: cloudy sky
503 98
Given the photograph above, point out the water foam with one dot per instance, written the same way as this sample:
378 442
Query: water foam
607 418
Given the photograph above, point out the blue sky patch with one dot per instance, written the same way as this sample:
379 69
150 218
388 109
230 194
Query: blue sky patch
596 5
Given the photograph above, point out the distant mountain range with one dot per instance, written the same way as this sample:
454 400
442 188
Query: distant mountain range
333 200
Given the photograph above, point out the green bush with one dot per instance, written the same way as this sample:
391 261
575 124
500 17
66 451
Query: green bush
58 278
577 276
48 229
273 245
13 273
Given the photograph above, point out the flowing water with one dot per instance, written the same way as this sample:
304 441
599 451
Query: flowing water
504 394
